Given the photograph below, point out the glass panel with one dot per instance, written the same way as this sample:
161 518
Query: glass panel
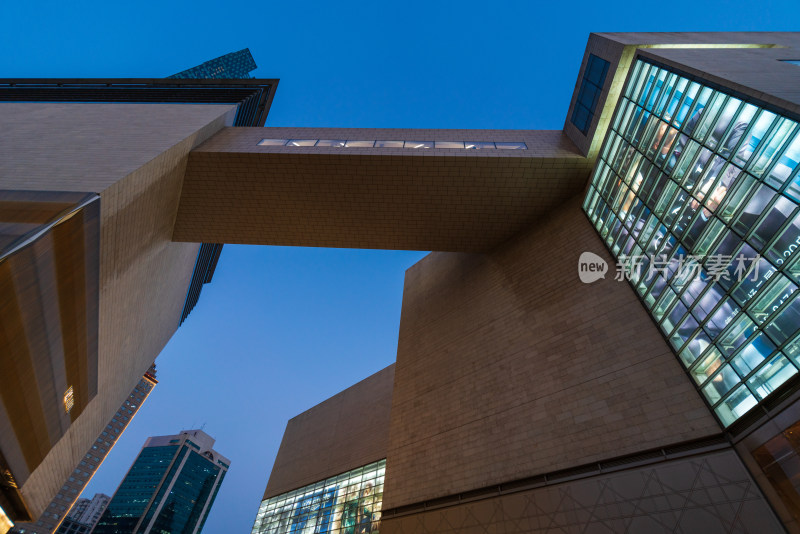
792 350
741 329
474 145
723 123
668 103
331 142
622 114
735 406
771 222
707 366
707 116
753 280
636 79
771 298
754 138
752 211
786 164
272 142
771 149
388 144
752 354
736 135
642 84
449 144
359 144
770 376
655 89
723 315
792 269
512 146
686 104
722 383
419 144
301 142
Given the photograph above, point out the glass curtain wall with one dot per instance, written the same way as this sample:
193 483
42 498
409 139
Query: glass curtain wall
696 194
349 503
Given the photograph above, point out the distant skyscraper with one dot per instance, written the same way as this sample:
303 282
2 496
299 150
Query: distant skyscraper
169 488
49 521
84 515
233 66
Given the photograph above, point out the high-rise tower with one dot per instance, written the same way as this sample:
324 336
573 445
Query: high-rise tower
84 515
66 497
169 488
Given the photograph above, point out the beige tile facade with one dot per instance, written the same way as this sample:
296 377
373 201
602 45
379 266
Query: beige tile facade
394 198
134 156
509 366
347 431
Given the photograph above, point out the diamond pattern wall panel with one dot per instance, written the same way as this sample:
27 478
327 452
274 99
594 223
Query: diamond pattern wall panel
711 494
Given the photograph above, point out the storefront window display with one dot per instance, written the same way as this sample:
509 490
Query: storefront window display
349 503
696 194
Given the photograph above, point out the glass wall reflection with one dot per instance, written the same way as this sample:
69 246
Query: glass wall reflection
696 193
349 503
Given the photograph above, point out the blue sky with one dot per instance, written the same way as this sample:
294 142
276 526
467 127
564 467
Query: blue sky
281 329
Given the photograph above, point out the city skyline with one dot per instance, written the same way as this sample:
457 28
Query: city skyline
250 281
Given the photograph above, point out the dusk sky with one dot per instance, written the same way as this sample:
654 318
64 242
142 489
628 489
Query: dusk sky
282 329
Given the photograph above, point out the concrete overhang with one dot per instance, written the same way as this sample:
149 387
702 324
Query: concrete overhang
236 191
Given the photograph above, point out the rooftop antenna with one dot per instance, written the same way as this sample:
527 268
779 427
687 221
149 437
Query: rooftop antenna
204 425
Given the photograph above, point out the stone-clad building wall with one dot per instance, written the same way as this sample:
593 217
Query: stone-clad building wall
508 366
706 493
349 430
134 156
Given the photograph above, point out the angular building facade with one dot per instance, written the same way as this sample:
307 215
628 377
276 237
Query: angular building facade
91 293
64 503
605 337
539 388
169 488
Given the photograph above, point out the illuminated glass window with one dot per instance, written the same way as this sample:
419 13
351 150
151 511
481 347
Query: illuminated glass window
512 146
272 142
696 195
347 503
69 400
468 145
388 144
301 142
419 144
473 145
367 144
449 144
331 142
594 76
